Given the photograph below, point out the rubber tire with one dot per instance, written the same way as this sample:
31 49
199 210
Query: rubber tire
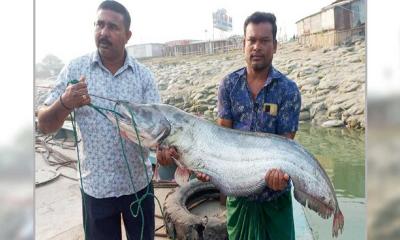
182 224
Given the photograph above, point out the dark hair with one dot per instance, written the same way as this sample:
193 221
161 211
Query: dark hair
261 17
119 8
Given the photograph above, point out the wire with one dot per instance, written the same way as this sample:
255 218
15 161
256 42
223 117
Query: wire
138 200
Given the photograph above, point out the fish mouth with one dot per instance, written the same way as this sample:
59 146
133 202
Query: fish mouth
164 134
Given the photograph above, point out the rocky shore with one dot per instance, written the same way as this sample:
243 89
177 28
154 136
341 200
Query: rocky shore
331 80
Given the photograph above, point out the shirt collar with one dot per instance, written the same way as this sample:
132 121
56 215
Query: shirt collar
272 74
129 61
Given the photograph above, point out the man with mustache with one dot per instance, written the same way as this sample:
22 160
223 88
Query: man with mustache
108 185
259 98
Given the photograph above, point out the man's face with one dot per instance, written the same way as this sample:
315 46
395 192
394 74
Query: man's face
259 46
110 34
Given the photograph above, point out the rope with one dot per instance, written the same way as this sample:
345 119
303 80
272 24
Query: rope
138 200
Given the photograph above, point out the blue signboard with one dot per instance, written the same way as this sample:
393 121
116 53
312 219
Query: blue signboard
221 20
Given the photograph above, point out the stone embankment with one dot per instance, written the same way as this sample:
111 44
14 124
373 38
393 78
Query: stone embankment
331 81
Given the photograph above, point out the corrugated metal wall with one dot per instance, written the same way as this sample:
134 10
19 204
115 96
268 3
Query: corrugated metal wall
333 25
146 50
343 17
315 23
202 48
328 20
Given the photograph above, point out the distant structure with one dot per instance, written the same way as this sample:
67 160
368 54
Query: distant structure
183 48
221 20
335 24
146 50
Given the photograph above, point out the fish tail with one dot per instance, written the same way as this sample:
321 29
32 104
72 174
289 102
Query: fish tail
338 223
313 203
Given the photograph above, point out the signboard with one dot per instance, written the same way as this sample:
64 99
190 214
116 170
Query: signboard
221 20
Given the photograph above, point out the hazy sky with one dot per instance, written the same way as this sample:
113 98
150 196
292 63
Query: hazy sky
65 28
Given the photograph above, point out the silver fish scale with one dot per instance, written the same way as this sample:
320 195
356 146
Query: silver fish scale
237 161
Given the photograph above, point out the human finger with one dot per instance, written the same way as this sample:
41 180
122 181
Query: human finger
281 181
199 176
202 177
158 153
87 100
270 174
79 86
169 154
161 156
275 180
286 177
207 178
173 151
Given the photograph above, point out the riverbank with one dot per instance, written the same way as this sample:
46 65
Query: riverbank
331 80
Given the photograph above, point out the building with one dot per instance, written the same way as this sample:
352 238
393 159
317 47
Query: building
185 47
337 23
146 50
182 48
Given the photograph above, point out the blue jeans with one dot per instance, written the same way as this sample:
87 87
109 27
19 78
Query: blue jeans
102 217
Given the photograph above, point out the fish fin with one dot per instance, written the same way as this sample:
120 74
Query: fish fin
181 175
338 223
307 200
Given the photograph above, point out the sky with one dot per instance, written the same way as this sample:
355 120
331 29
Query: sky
65 28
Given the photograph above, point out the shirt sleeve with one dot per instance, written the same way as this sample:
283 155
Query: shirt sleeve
150 91
224 101
289 112
60 86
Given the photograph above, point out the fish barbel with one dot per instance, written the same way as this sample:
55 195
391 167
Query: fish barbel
236 161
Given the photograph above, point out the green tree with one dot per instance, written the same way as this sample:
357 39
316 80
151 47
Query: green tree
50 66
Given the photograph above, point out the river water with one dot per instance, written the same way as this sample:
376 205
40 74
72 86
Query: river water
341 153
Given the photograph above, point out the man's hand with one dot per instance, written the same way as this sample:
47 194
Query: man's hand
276 179
165 155
202 177
76 95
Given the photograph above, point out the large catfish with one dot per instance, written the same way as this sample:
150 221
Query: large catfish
236 161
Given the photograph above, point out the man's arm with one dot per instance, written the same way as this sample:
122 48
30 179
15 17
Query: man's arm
51 118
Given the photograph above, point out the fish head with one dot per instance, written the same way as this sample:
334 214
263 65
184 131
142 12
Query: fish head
141 123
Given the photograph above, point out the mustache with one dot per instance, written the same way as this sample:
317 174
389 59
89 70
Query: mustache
104 41
256 55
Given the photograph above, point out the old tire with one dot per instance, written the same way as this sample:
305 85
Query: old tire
182 224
